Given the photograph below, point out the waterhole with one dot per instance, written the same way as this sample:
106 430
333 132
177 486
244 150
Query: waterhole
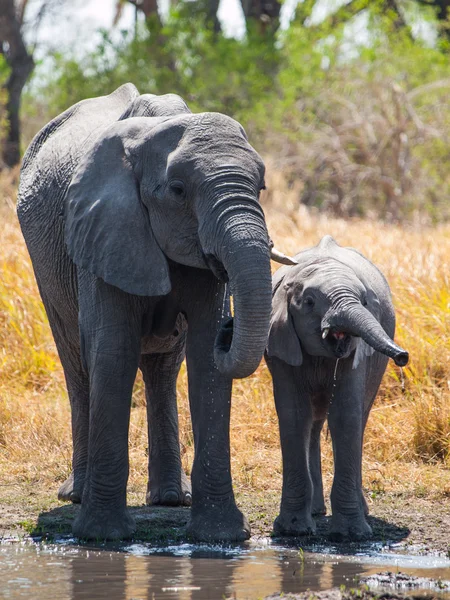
65 570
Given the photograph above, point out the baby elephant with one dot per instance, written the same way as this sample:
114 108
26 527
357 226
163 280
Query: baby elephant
330 338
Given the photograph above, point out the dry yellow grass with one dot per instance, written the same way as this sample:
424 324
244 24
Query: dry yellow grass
407 446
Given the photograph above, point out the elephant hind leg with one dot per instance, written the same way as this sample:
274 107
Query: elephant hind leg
65 333
78 389
167 484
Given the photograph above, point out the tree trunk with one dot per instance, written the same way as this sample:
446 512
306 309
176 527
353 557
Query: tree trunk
442 8
148 7
21 65
264 12
212 6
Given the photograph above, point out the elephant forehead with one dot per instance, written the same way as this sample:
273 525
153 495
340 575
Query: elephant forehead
328 274
213 142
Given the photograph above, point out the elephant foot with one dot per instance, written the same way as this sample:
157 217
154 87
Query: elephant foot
170 493
218 523
294 523
103 525
349 528
71 492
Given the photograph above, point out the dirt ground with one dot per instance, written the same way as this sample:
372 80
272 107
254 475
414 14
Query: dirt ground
359 593
419 525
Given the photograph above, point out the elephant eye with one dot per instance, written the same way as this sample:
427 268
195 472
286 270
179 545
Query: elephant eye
177 188
308 301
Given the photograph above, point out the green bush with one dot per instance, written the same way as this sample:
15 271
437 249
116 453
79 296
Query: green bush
368 134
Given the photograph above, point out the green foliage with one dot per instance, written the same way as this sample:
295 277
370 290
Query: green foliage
210 71
369 126
4 74
361 129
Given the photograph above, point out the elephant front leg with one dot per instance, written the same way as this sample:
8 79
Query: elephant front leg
214 514
110 340
346 426
167 483
295 421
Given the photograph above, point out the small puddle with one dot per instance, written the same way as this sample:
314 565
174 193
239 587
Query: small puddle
65 570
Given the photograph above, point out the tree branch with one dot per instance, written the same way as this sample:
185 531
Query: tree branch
21 64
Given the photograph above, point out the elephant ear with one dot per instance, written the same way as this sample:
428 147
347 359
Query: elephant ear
362 349
283 341
107 227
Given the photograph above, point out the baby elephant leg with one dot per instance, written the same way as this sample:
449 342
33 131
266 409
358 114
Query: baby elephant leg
295 420
346 426
315 467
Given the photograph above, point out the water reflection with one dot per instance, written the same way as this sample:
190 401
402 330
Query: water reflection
141 573
253 575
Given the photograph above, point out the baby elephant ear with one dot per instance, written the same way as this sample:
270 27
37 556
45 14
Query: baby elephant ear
107 227
283 341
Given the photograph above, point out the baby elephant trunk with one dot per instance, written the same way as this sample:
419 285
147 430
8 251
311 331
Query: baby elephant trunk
359 322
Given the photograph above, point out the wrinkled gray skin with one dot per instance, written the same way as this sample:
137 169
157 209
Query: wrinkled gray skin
135 212
334 304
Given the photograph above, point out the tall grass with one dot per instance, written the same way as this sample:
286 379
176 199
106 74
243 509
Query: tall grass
407 445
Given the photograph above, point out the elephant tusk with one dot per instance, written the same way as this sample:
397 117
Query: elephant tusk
325 332
279 257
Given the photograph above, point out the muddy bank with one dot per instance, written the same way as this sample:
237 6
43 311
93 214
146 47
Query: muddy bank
359 593
407 526
418 525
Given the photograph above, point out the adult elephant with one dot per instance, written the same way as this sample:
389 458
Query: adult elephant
135 213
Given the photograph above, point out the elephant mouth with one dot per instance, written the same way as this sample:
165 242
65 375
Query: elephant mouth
216 267
338 342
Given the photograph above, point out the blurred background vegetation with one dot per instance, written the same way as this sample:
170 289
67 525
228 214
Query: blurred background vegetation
349 101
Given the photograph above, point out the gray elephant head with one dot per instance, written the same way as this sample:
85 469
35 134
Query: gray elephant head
184 188
322 308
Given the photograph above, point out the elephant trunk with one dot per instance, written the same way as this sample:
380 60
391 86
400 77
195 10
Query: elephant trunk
241 245
358 321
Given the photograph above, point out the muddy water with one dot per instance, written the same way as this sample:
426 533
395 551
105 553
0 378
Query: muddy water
65 570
